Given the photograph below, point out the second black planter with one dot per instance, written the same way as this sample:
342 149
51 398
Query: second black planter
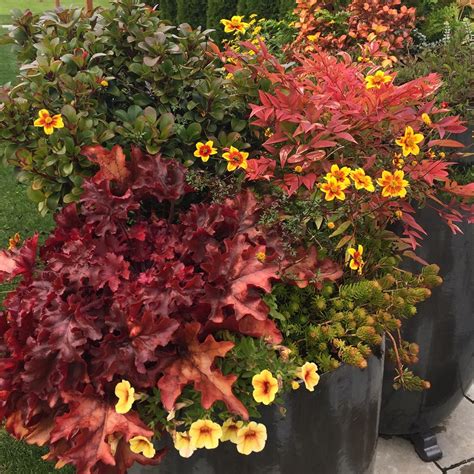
330 431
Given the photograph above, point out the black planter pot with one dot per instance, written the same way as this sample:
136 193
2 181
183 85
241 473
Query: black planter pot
444 330
330 431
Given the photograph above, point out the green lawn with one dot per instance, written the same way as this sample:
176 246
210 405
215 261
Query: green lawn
8 67
38 6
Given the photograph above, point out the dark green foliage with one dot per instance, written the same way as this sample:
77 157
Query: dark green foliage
286 6
216 11
192 12
168 10
262 8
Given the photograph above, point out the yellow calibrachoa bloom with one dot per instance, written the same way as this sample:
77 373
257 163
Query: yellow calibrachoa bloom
251 438
333 189
47 122
309 375
182 442
236 159
393 184
142 445
427 119
205 150
205 434
377 80
265 387
230 429
14 241
409 141
362 181
235 25
340 174
356 262
126 395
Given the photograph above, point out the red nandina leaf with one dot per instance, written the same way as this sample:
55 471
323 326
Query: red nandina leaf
18 261
87 427
446 143
466 190
194 365
430 170
112 163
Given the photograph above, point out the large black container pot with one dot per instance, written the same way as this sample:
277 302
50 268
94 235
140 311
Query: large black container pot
444 330
332 430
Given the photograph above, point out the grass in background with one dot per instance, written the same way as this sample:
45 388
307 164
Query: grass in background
8 67
38 6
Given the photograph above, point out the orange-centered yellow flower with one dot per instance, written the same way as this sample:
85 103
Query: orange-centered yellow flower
205 150
14 241
356 262
236 159
341 175
230 429
205 434
333 189
142 445
235 25
183 443
393 185
377 80
265 387
409 141
309 375
427 119
47 122
251 438
126 396
362 181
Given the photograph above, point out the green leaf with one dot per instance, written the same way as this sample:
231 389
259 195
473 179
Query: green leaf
341 229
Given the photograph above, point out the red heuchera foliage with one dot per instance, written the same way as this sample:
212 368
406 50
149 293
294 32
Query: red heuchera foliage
321 113
387 20
123 290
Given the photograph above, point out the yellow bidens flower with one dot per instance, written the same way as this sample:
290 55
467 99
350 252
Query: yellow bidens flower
333 189
398 161
331 225
340 174
126 395
235 25
393 184
251 438
230 429
261 256
104 83
377 80
309 375
47 122
236 159
298 169
184 445
398 214
426 118
409 141
356 262
361 180
205 434
14 241
265 387
142 445
205 150
295 385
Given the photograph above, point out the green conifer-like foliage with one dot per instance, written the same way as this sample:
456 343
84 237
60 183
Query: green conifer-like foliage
168 9
192 12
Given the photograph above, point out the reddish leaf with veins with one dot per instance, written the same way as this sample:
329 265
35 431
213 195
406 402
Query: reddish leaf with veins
112 163
195 366
18 261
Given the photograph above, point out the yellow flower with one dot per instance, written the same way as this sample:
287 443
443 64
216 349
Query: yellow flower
261 256
356 262
295 385
341 175
265 387
268 132
426 118
398 214
205 150
236 159
182 442
393 184
14 241
47 122
104 83
309 375
331 225
442 155
235 25
126 395
230 429
140 444
205 434
377 80
298 169
409 142
312 38
251 438
229 76
333 189
362 181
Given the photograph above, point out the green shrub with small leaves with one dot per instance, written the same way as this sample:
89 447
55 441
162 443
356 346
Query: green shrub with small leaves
192 12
